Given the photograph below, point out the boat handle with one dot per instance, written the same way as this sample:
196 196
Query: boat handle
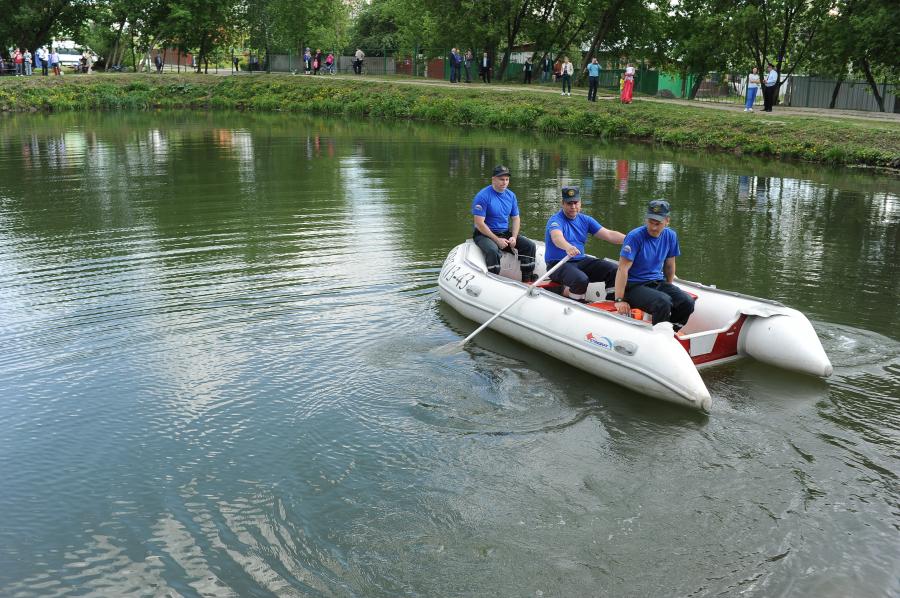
473 290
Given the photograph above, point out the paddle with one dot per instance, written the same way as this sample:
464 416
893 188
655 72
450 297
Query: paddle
456 346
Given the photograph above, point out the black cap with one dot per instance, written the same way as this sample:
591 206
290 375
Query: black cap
571 194
658 209
500 170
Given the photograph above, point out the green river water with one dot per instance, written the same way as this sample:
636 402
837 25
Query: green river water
217 374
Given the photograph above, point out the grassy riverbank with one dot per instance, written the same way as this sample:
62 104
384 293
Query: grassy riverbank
815 139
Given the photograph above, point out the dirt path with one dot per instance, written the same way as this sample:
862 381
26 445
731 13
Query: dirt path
578 93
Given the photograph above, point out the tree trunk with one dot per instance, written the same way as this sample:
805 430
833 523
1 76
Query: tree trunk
867 70
695 87
834 94
603 27
512 32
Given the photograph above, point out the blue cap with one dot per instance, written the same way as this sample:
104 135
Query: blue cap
658 209
571 194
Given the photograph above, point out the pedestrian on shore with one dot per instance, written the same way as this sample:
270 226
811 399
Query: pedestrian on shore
567 70
358 65
27 58
158 62
455 66
546 67
593 70
484 69
307 61
771 88
628 85
752 89
467 64
318 61
19 61
527 70
54 61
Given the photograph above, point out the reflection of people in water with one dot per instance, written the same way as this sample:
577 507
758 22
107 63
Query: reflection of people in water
743 186
622 176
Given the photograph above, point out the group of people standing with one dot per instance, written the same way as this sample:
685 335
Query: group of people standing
25 63
643 277
460 62
313 63
770 88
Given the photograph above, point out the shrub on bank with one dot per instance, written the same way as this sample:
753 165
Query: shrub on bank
813 139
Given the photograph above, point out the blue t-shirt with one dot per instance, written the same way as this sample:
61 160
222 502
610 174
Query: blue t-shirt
649 253
593 70
575 231
496 208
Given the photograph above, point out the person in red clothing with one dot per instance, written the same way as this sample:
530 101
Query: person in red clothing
19 59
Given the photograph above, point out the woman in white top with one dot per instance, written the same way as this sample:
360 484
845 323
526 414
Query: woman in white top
628 86
567 70
752 89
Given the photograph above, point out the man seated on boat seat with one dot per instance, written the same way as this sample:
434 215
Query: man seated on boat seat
496 214
647 270
567 232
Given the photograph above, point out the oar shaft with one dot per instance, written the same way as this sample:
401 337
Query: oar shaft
516 300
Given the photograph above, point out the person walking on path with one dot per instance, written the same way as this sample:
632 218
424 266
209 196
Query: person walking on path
752 89
358 63
566 70
527 68
593 70
771 87
158 62
628 85
44 57
546 67
484 69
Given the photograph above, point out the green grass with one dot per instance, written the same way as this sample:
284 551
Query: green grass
814 139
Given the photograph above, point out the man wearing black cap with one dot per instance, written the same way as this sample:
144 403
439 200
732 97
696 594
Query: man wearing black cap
496 215
567 232
647 270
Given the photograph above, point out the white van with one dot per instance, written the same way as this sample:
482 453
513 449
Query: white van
70 53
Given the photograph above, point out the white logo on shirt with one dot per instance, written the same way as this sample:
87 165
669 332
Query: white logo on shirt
478 207
626 249
554 223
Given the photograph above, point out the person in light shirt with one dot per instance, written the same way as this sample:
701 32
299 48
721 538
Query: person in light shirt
771 87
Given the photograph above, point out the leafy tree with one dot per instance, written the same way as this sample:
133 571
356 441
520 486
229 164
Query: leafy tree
27 24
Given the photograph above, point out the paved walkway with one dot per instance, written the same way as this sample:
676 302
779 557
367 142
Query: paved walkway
883 117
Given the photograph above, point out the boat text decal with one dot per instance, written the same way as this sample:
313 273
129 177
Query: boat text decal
603 342
462 279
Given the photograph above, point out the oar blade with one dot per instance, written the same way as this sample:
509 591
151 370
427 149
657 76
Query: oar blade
448 349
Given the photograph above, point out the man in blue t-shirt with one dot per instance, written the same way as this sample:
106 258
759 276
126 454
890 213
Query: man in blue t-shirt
593 70
567 232
647 269
496 215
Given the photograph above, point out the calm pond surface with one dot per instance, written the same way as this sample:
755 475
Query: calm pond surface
216 374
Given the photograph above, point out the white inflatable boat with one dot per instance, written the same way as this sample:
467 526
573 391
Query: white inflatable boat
649 359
